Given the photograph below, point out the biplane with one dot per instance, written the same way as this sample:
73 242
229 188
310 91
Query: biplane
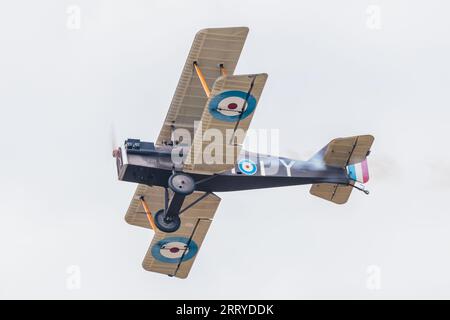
176 192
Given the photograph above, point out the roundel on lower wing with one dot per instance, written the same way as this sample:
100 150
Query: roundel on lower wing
247 166
173 249
228 105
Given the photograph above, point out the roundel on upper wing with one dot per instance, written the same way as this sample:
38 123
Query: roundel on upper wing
247 166
228 105
173 249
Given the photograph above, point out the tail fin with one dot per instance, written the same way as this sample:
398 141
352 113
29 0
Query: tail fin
347 153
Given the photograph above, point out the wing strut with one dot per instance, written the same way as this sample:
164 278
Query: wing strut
244 107
202 79
148 213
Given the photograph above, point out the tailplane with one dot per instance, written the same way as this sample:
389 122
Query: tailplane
349 154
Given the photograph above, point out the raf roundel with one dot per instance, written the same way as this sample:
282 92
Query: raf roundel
232 105
173 249
247 166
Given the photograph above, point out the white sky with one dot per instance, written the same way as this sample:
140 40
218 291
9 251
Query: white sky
330 75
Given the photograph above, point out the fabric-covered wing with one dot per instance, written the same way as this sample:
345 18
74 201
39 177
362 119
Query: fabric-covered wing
173 253
342 152
228 111
210 48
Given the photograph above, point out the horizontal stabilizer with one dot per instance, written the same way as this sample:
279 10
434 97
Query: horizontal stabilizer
342 152
336 193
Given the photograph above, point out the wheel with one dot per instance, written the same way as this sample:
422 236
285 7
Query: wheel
166 225
181 183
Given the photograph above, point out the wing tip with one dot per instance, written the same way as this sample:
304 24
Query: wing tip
148 268
145 266
127 219
236 30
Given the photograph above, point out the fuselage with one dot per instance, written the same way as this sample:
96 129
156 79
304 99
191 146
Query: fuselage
153 165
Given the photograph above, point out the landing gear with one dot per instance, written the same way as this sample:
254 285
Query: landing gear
168 219
181 183
167 223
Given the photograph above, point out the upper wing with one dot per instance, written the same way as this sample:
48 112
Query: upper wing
224 122
342 152
210 48
173 253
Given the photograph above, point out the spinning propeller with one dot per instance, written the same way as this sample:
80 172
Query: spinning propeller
113 139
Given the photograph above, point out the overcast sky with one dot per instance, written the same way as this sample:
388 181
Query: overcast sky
336 68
